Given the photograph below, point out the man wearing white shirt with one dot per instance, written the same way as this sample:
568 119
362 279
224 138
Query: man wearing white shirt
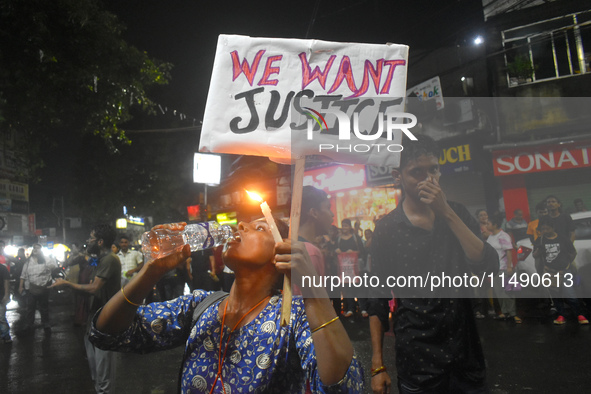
131 260
35 277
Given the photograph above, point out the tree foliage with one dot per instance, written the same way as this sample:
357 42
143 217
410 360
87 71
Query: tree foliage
151 177
64 71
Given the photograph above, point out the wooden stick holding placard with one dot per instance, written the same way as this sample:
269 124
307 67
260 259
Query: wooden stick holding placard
294 226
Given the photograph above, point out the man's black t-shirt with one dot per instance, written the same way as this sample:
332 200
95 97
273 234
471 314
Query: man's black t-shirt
557 253
563 225
433 335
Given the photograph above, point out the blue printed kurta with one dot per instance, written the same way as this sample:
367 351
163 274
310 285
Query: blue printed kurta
262 356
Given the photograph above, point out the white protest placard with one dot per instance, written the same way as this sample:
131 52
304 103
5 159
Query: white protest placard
255 82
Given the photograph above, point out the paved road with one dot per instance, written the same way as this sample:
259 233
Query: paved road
535 357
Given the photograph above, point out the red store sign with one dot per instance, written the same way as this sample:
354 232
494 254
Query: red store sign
528 160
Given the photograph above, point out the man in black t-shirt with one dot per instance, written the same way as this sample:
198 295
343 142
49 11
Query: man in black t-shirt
563 223
437 344
557 253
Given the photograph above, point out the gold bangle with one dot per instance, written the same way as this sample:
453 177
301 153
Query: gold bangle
325 324
379 370
126 299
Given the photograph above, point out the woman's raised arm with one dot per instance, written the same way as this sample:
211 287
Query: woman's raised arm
118 314
333 347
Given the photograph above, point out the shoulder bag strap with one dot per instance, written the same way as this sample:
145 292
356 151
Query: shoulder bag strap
206 303
203 305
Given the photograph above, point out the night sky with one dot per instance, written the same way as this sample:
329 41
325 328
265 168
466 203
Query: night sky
185 32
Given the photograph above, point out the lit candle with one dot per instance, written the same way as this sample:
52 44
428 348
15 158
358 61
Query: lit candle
268 216
287 295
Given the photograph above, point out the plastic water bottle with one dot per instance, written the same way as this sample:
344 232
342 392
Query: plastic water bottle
162 242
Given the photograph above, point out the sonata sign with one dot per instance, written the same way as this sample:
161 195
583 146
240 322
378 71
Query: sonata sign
541 159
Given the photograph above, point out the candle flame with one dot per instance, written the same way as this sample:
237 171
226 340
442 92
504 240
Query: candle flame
254 196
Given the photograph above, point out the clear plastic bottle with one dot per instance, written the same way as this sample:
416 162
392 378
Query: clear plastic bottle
162 242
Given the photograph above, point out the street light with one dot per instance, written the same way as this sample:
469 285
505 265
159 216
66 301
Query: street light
478 40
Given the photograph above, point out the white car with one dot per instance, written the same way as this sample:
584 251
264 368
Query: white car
526 263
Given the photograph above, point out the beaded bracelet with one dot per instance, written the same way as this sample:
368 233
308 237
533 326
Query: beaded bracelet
126 299
379 370
325 324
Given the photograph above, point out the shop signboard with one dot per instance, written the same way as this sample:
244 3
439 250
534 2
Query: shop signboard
135 220
194 212
207 168
452 160
428 90
336 178
527 160
377 176
227 218
32 225
456 159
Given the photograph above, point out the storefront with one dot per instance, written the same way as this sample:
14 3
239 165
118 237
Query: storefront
356 192
366 193
529 173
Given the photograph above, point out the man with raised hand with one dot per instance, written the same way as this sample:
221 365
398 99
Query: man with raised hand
106 282
437 344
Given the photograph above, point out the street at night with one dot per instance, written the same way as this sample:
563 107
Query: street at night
534 357
238 197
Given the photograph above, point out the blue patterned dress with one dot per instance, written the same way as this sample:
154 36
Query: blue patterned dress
262 356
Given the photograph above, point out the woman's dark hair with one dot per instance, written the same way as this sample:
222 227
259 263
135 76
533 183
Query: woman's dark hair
40 257
424 145
311 198
496 219
346 221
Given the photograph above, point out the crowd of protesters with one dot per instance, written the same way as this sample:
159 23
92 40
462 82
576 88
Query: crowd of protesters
551 232
98 272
